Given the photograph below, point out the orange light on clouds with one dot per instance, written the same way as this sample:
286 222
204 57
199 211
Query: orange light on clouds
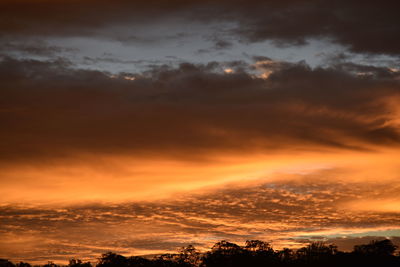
116 178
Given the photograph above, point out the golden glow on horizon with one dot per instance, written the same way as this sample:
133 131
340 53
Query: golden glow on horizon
124 179
139 127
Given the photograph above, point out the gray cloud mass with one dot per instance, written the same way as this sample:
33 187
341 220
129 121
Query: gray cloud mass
50 109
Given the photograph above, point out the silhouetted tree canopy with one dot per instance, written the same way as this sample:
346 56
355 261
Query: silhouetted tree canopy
6 263
78 263
376 248
254 253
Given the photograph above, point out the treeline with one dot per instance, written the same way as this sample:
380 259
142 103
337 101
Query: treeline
253 253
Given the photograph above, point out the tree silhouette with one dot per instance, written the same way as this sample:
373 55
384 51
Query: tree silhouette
254 253
226 248
136 261
285 255
112 260
376 248
189 255
258 246
78 263
23 264
51 264
224 253
6 263
316 253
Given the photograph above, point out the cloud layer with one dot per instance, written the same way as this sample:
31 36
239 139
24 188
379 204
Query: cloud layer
50 109
363 26
288 212
142 126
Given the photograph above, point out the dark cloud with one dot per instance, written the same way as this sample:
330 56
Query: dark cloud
363 26
366 27
219 45
50 109
54 110
155 40
130 63
222 44
80 17
35 48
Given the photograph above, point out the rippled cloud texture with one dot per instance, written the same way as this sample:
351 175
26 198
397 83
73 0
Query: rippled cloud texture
139 127
288 212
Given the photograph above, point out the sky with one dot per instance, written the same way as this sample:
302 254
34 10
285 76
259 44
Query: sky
139 127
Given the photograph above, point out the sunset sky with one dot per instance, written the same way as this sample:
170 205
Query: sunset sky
139 127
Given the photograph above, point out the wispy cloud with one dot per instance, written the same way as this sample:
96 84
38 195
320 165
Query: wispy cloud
287 212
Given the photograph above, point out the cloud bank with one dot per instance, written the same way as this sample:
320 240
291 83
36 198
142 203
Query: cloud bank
50 109
362 26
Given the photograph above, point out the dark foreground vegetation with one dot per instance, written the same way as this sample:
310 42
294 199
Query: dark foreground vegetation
253 253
